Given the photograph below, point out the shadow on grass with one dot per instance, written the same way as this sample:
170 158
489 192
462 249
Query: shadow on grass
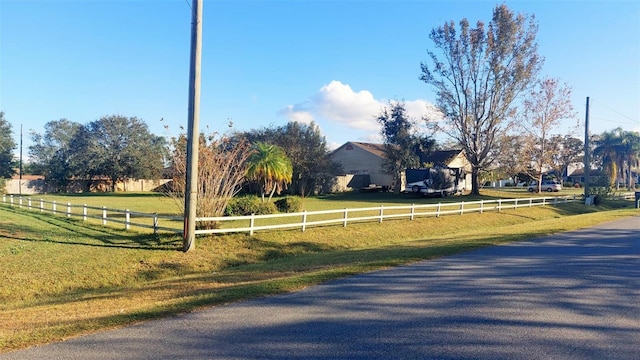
69 231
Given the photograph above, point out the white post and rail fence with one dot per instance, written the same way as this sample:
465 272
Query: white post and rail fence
300 220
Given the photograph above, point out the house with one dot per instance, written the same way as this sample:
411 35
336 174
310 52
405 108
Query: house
363 164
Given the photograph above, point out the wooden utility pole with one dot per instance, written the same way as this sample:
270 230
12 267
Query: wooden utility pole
191 189
20 178
587 161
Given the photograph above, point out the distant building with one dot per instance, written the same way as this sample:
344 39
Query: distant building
363 164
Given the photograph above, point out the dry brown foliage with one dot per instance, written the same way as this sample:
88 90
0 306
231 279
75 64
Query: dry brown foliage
222 163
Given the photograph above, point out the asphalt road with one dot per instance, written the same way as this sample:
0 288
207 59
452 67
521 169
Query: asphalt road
569 296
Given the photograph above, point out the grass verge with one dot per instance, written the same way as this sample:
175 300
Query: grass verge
62 278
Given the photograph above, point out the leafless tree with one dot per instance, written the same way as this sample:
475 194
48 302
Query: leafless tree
545 107
222 167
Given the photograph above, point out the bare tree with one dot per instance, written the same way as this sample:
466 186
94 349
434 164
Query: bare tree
548 103
478 75
221 171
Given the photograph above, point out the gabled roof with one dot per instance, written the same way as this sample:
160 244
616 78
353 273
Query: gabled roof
444 157
375 149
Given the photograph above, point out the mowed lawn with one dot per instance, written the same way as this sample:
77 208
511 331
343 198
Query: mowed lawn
62 277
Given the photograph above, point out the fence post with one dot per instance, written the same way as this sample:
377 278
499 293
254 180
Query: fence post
155 223
4 198
11 199
499 205
127 218
555 200
84 212
68 209
29 202
413 210
438 211
515 205
54 206
304 220
41 205
481 206
104 215
461 207
344 222
544 201
251 223
381 213
530 202
20 201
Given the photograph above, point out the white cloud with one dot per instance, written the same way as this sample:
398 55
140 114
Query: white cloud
293 113
337 104
419 109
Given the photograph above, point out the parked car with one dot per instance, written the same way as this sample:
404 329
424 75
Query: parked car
547 185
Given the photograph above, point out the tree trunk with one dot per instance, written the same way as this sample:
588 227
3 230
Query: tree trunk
475 184
540 183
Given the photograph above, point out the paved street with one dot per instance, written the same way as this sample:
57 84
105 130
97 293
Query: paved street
568 296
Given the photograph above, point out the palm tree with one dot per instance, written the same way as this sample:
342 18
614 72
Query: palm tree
609 148
270 166
631 153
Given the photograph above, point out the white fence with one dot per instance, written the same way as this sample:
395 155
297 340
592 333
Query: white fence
103 214
300 220
305 219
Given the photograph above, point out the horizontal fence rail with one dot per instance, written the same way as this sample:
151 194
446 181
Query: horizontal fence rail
302 220
102 214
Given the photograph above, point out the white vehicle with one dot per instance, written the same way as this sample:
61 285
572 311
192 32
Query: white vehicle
441 181
547 185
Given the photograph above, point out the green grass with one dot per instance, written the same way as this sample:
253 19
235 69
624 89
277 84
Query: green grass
62 277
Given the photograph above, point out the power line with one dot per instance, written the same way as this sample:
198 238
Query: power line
616 121
619 113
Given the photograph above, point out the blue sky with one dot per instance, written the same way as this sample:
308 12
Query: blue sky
268 62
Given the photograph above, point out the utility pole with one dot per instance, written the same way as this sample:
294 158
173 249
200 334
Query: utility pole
20 178
587 161
193 132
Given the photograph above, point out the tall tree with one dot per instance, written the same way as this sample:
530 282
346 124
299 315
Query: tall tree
547 104
121 148
270 166
7 145
478 76
51 152
404 148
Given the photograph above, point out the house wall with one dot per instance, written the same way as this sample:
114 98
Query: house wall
356 161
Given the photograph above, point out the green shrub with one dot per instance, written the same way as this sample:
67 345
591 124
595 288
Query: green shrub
247 205
266 208
289 204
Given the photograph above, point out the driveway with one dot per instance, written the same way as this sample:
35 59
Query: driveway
568 296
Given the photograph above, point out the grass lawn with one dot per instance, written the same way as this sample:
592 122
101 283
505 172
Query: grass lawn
62 277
